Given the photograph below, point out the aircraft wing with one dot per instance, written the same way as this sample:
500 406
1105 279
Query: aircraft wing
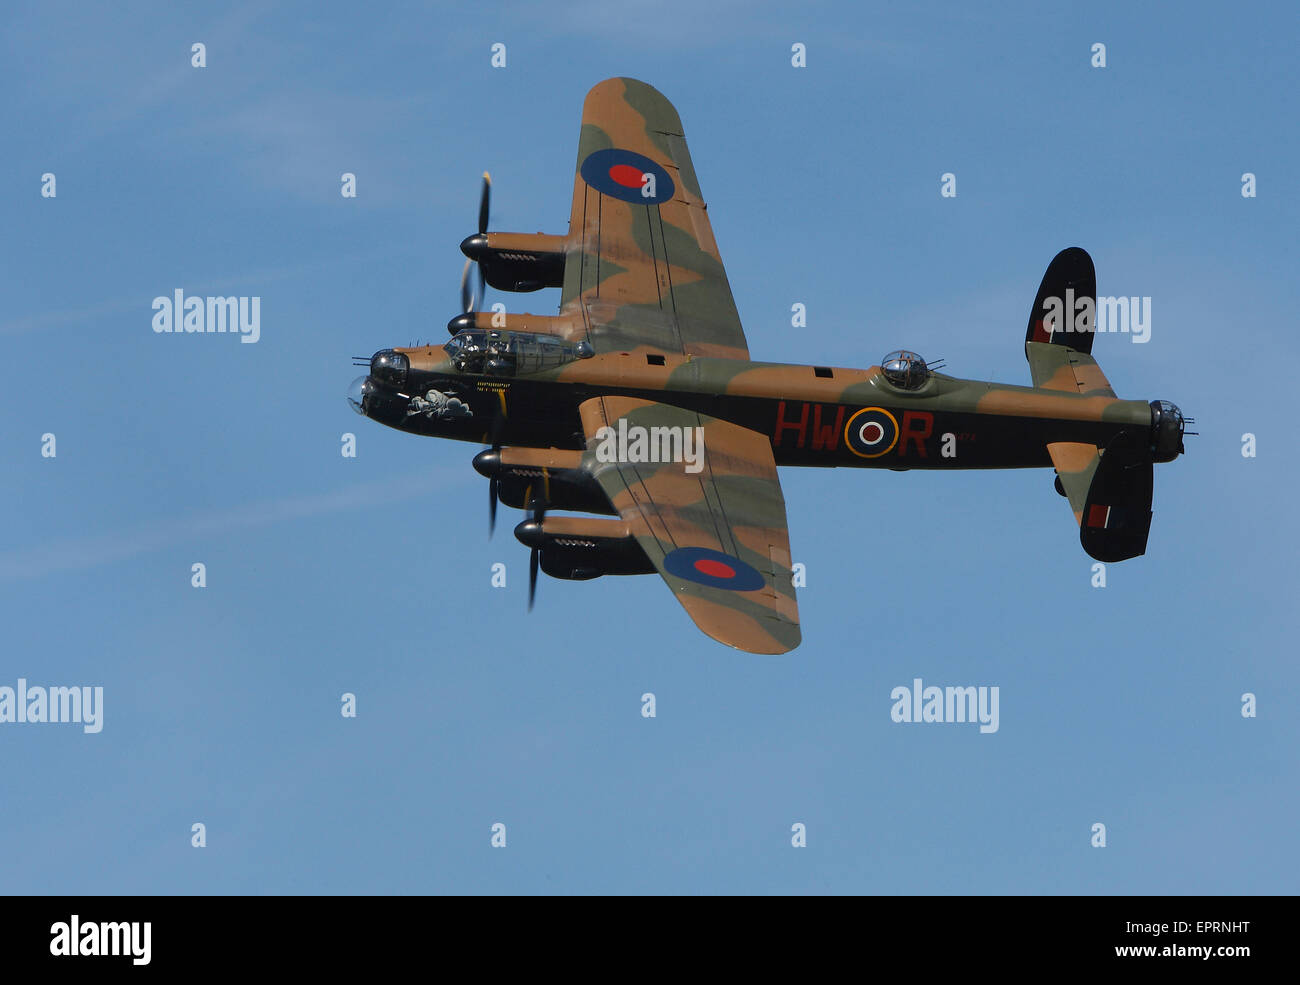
717 536
642 268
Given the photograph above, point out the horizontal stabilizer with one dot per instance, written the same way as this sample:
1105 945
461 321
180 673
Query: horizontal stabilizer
1058 367
1076 464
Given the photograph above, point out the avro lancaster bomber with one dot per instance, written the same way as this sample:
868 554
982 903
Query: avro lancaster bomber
596 410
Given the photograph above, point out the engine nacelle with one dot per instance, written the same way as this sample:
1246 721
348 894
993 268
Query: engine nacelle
551 478
518 261
579 548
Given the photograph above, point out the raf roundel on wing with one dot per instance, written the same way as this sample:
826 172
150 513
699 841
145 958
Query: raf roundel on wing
628 176
713 568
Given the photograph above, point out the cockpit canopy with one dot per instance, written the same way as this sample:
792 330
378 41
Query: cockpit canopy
905 370
496 353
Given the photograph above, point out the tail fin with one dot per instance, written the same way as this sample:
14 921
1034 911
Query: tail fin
1059 339
1065 310
1109 490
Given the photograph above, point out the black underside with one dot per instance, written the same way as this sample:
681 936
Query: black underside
545 414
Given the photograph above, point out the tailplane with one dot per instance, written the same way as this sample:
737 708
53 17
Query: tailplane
1109 488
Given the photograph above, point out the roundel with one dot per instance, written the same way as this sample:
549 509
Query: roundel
871 432
712 568
626 175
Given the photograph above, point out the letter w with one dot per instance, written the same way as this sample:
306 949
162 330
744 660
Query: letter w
827 436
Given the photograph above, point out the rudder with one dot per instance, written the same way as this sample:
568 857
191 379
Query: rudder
1069 279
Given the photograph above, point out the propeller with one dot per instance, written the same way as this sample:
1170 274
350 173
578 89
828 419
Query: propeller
484 202
494 481
532 576
469 300
488 464
535 515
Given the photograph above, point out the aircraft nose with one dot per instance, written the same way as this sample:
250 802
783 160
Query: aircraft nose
360 388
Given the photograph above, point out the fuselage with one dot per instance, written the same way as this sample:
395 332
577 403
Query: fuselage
814 415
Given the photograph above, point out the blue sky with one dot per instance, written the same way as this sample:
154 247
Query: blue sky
372 575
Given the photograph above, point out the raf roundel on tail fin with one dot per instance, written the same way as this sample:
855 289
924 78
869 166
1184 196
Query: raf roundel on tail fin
1065 308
